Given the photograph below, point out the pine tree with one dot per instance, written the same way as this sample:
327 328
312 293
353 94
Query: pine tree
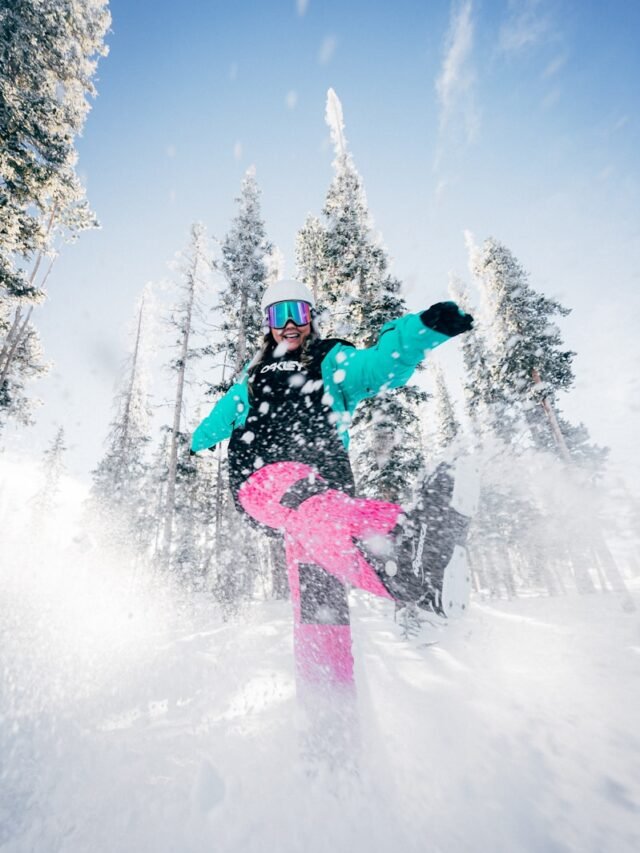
447 426
118 481
192 277
529 367
498 545
344 261
194 537
245 251
310 256
45 500
529 363
485 403
48 56
275 264
197 529
155 492
238 555
248 261
184 554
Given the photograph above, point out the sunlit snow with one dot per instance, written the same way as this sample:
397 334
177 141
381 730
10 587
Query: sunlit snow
134 718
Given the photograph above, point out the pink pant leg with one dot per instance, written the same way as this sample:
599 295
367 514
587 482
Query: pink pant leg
260 495
325 525
319 532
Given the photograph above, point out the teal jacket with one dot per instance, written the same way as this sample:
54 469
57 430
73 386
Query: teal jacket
349 376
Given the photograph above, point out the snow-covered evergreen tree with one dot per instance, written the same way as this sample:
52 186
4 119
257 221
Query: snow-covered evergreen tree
528 361
194 535
186 557
155 492
48 55
193 271
275 263
248 262
485 404
310 256
45 500
197 530
446 425
517 417
118 481
244 265
345 262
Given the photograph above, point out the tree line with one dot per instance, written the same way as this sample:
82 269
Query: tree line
541 527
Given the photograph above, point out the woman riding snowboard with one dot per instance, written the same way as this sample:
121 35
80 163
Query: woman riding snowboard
287 417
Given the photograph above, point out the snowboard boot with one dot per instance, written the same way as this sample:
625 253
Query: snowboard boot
429 567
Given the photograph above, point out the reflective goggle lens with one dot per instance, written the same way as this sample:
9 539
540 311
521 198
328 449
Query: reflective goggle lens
278 314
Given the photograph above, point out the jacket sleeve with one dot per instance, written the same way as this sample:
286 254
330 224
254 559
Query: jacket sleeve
402 345
220 422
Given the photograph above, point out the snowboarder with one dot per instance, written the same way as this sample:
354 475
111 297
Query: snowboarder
287 417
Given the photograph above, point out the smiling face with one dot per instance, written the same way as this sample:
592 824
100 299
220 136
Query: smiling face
291 335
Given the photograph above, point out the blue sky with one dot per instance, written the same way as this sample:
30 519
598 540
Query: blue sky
517 120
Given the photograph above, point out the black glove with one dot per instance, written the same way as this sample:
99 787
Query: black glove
447 318
192 452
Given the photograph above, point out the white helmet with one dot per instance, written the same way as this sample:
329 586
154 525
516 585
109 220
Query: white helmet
285 289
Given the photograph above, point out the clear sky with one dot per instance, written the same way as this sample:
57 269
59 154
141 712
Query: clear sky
516 119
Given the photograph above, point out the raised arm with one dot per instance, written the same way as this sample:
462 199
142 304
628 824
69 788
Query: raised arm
402 345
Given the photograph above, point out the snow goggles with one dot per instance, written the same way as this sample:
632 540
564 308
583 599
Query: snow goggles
292 309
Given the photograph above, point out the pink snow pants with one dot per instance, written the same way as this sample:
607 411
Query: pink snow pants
321 558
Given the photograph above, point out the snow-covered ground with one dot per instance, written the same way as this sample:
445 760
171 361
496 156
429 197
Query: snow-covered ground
129 723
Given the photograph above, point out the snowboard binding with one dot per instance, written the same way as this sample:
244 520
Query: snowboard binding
431 567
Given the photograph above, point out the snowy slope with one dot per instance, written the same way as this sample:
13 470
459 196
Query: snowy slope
128 723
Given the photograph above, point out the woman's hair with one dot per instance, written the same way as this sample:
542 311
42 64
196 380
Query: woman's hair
268 346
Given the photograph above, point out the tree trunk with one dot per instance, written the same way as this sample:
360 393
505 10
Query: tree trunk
8 341
507 572
219 504
597 564
126 417
241 350
177 413
476 568
13 340
556 570
219 483
613 573
491 561
553 421
634 565
543 570
582 577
